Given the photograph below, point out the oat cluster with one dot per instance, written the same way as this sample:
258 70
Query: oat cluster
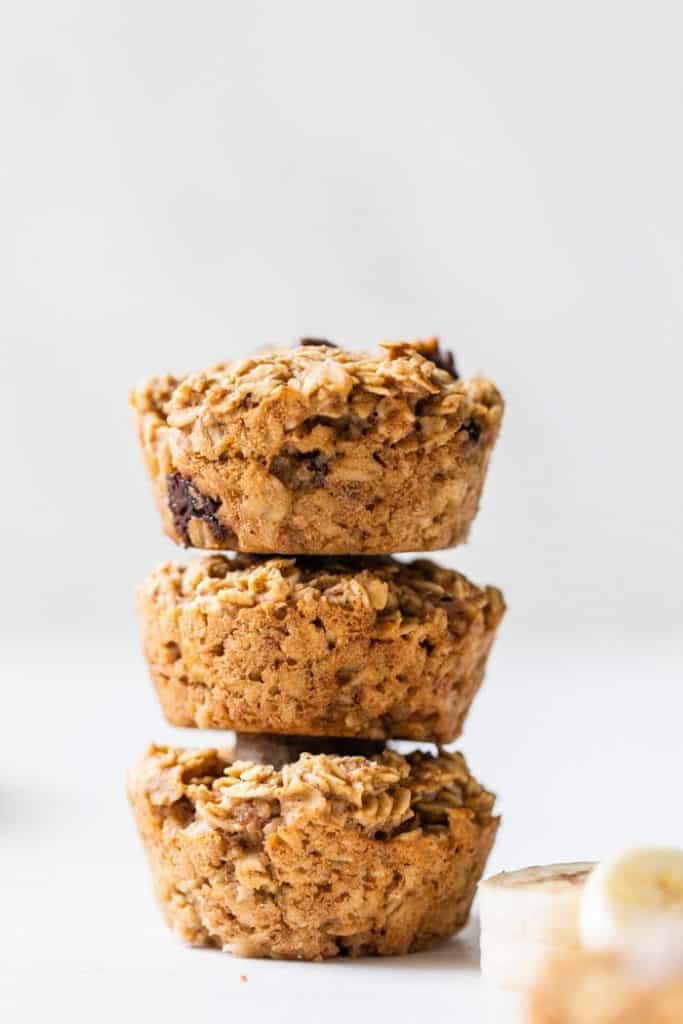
403 594
332 377
387 793
399 395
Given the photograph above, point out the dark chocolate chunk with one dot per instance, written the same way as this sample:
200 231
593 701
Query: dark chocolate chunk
299 471
186 503
444 359
266 748
316 465
318 342
473 429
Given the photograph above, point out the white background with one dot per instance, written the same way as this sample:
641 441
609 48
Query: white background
183 182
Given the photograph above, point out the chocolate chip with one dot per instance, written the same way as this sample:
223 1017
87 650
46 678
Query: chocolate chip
444 359
473 429
317 466
186 503
318 342
299 471
265 748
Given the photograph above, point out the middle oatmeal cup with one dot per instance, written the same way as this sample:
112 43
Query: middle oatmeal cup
361 647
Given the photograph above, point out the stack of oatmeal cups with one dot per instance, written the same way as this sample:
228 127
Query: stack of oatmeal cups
311 838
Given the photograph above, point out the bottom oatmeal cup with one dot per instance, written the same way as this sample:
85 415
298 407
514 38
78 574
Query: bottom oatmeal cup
327 856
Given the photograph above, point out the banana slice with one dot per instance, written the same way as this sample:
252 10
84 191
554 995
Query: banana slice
266 748
628 893
526 915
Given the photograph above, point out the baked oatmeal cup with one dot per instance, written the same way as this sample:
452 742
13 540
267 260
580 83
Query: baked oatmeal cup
359 647
319 450
326 856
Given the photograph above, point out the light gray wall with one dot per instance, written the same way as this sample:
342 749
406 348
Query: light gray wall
182 182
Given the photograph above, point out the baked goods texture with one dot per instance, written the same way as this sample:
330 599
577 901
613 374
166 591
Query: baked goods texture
328 856
606 988
318 450
370 648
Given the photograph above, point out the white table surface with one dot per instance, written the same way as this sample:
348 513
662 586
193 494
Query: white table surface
583 757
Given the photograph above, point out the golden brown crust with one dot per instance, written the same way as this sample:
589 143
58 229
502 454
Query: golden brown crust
315 450
604 988
328 856
369 648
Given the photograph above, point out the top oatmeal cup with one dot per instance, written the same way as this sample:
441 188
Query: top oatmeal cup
318 450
